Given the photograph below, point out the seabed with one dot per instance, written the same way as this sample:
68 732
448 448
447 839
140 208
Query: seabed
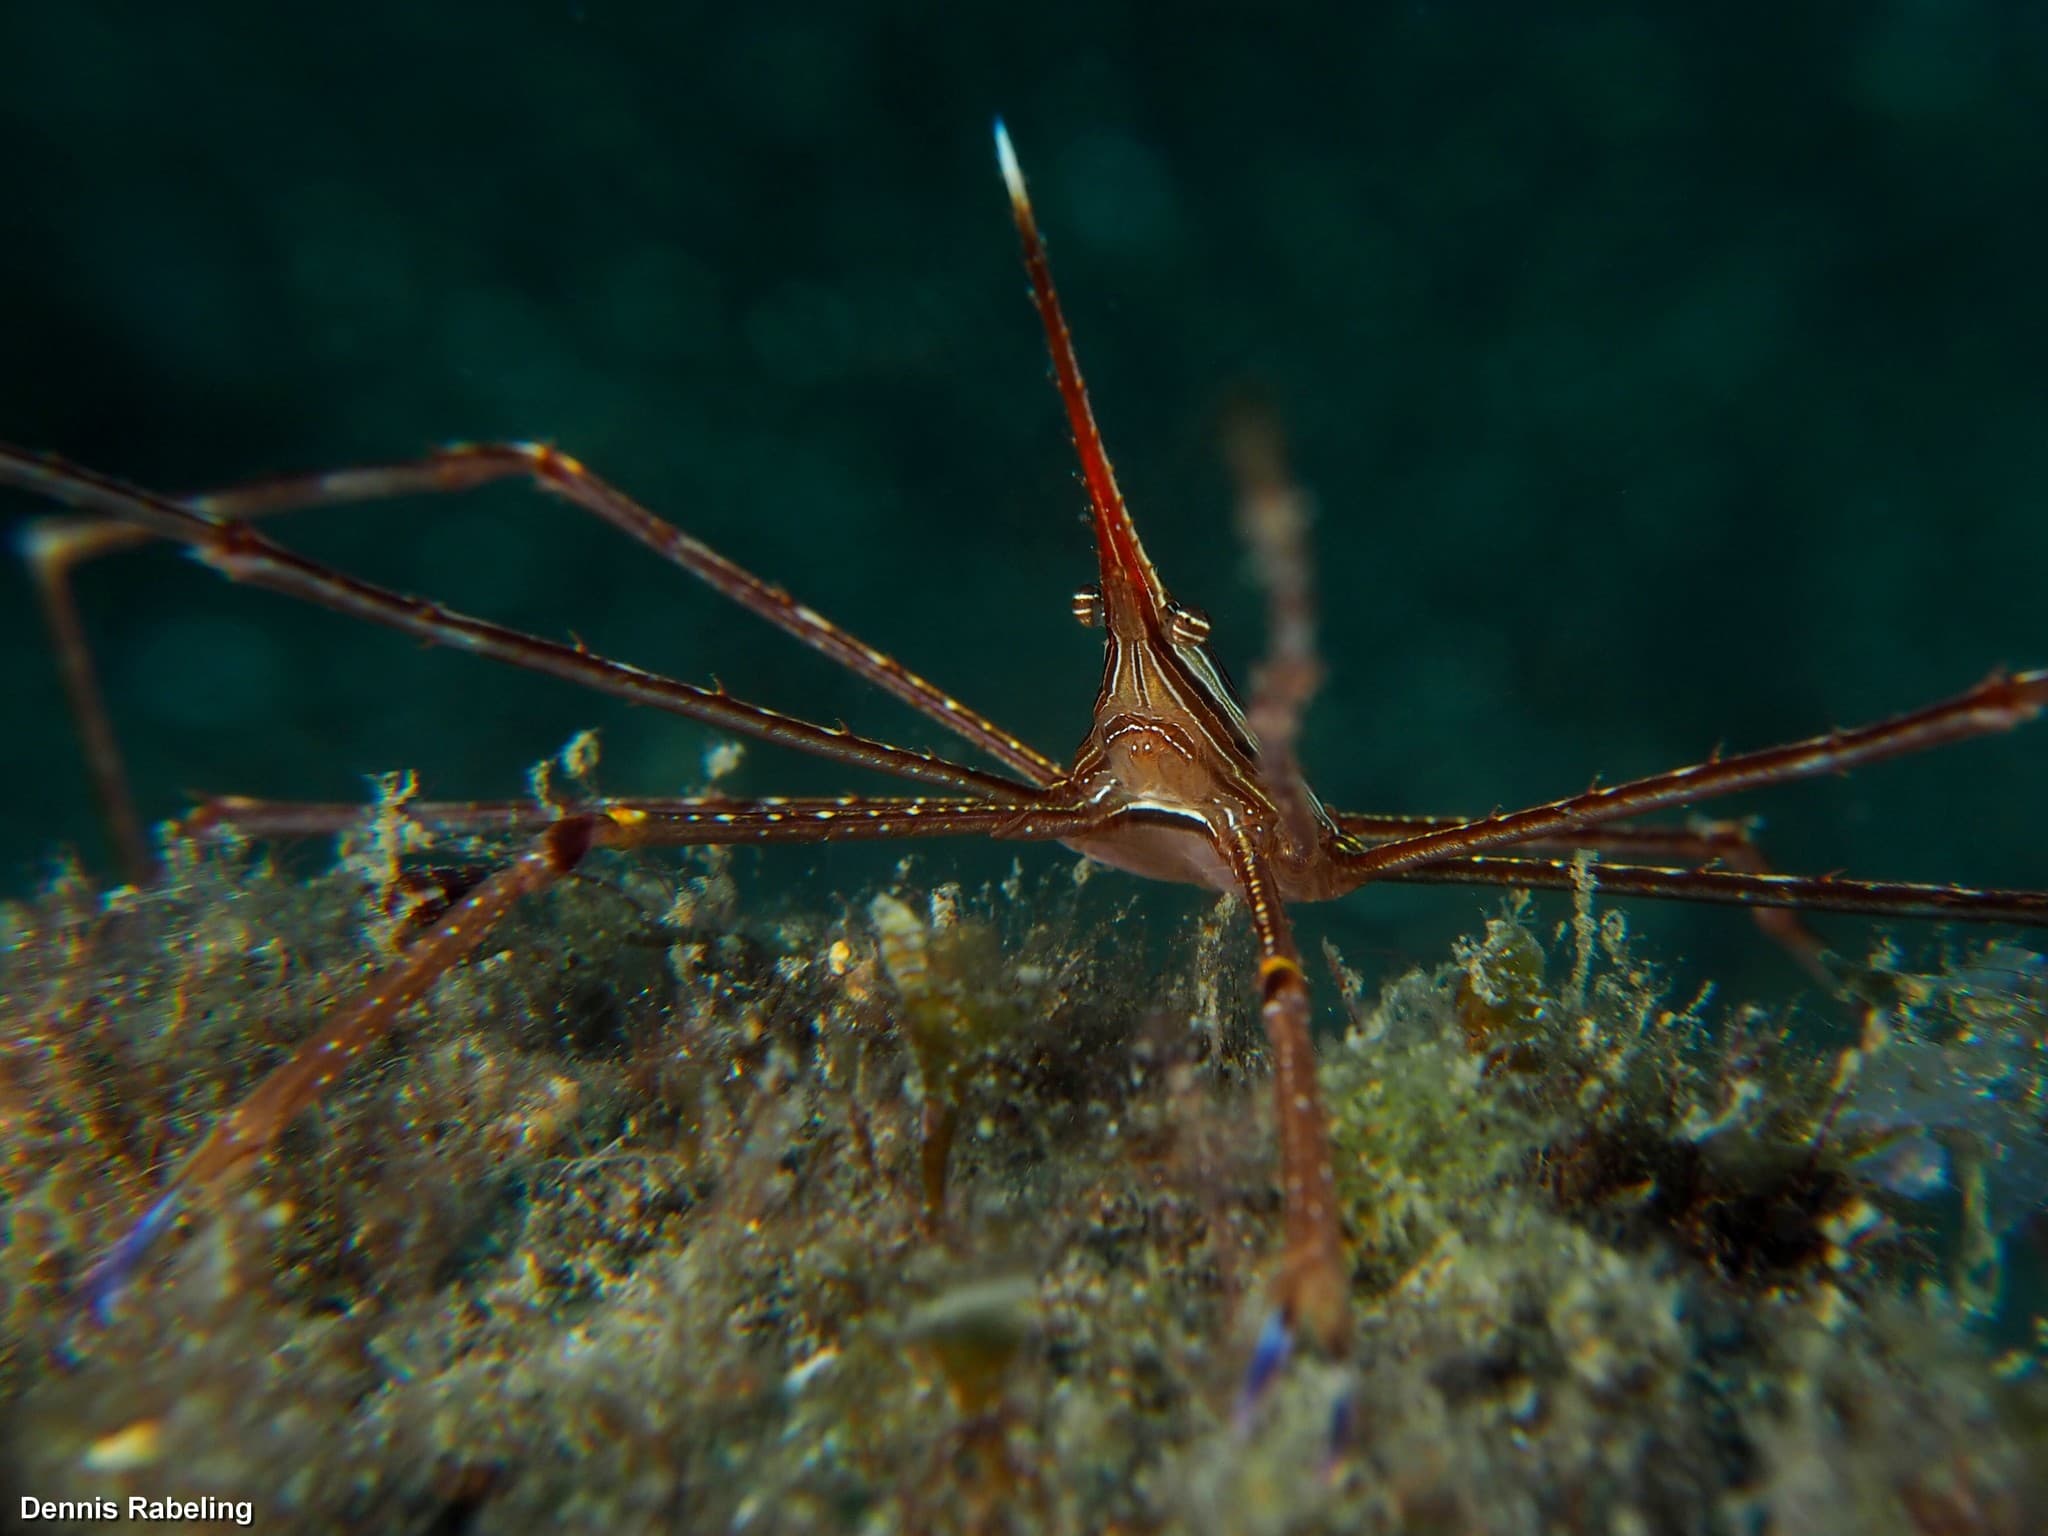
623 1232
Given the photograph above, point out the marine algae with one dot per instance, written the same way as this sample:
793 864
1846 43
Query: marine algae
629 1230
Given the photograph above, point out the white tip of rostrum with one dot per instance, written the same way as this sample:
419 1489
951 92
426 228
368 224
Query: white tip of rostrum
1006 157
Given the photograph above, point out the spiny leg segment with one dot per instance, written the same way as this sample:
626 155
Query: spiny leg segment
2000 703
711 819
56 546
242 554
1726 845
248 1131
1733 887
1313 1290
53 548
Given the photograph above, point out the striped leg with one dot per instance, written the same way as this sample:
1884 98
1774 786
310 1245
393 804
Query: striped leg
1314 1287
54 547
242 554
1729 844
2001 702
1805 893
246 1132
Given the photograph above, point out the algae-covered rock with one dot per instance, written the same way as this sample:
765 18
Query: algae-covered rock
630 1227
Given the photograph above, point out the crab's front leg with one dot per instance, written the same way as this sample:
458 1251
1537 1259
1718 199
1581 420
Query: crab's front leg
1312 1292
246 1132
559 844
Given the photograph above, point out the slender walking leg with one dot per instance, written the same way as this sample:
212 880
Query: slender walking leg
247 1131
1314 1286
2001 702
1804 893
242 554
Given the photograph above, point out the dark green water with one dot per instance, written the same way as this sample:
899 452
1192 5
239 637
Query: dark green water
1664 381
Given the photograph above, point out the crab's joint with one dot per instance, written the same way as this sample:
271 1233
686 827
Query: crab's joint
1275 973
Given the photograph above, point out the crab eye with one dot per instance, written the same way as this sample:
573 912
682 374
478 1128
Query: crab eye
1088 607
1187 626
